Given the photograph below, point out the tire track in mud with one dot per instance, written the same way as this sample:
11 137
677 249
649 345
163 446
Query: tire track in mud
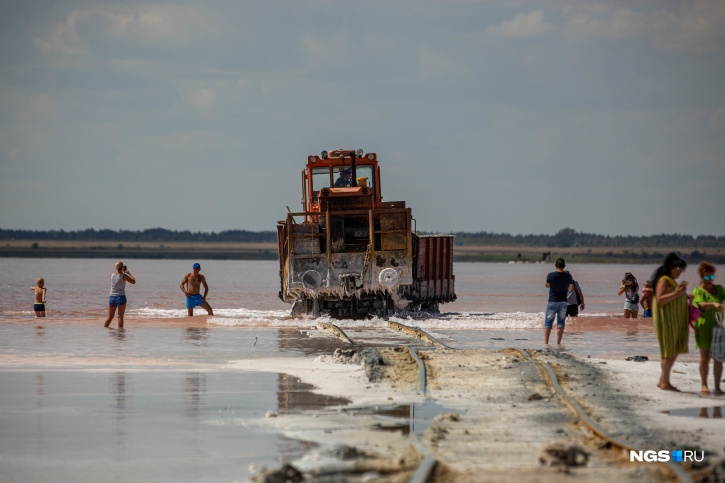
600 456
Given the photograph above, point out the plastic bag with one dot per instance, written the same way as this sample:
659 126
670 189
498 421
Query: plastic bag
694 311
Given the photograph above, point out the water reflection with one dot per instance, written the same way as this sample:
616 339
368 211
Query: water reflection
197 334
117 387
118 334
404 417
40 389
194 394
417 417
294 395
39 405
292 340
714 412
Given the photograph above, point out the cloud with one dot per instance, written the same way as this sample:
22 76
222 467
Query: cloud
517 92
696 27
530 24
680 26
125 32
62 40
598 20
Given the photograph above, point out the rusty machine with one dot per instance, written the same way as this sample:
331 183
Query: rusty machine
351 254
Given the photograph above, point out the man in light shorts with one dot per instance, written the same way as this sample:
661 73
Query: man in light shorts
559 284
191 286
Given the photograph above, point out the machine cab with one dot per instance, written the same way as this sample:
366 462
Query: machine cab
340 173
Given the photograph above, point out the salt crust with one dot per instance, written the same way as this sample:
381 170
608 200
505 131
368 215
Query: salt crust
621 396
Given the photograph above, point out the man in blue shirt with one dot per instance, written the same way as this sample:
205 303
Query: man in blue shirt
559 284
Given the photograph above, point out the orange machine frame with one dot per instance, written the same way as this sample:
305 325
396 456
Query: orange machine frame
333 159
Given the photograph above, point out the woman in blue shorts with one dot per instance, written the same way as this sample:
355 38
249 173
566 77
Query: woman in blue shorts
117 297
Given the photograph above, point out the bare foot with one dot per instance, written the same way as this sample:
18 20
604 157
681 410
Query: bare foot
669 387
705 391
718 392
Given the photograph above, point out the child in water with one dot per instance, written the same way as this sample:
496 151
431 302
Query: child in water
646 300
39 304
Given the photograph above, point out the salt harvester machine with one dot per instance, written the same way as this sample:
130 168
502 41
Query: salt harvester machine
351 254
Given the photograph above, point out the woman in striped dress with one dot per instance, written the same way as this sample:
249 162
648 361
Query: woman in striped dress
671 315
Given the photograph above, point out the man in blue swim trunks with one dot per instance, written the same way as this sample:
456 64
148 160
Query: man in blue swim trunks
191 286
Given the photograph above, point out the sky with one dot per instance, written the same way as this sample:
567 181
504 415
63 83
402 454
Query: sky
509 116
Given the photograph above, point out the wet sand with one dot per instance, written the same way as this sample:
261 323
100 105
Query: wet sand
500 416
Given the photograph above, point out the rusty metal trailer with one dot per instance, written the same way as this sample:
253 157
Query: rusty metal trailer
350 254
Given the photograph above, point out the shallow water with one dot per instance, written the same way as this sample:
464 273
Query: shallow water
83 403
495 301
246 291
156 404
709 412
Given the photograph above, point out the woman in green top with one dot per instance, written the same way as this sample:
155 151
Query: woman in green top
708 297
671 316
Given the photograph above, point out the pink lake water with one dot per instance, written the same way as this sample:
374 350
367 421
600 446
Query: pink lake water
155 402
495 301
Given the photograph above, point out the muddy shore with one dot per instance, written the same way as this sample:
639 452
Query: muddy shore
503 419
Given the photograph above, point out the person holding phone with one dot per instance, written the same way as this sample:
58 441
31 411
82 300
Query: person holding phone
117 297
671 315
630 289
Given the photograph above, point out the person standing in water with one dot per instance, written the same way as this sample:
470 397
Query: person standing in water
646 300
117 297
559 283
630 289
191 286
39 291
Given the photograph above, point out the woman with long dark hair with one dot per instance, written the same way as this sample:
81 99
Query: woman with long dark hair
671 315
630 289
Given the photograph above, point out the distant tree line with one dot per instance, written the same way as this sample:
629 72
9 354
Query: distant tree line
151 234
568 237
564 238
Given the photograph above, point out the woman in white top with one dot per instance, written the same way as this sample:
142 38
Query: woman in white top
117 297
630 289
